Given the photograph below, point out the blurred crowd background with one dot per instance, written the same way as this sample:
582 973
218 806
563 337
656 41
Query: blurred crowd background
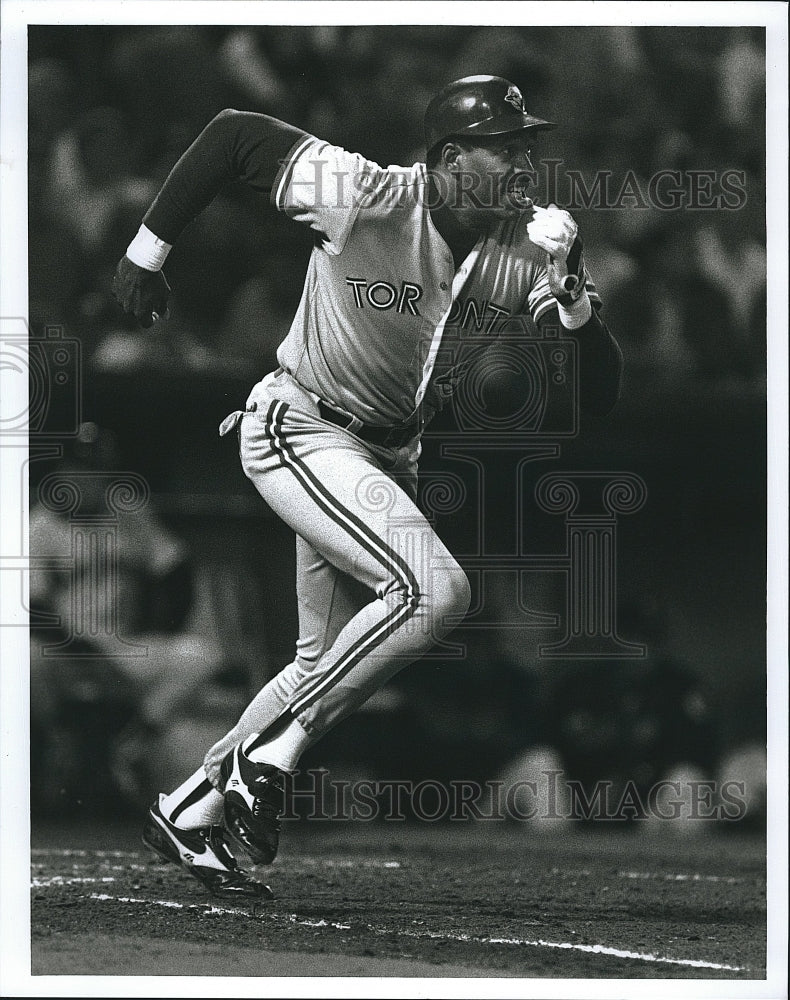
110 111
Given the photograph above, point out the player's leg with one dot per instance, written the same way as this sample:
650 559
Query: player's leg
187 823
327 599
327 486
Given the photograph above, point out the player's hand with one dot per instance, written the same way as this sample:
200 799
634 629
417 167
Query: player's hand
140 293
555 231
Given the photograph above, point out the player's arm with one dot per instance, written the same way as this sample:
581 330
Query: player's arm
600 361
236 145
600 357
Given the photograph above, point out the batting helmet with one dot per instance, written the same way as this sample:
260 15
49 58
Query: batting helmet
477 106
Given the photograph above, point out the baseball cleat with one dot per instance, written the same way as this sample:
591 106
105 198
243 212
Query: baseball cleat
204 854
254 803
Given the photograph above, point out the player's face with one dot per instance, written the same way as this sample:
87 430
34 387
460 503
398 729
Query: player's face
497 177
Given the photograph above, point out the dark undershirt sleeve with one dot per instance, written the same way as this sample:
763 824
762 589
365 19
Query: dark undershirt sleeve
236 145
600 361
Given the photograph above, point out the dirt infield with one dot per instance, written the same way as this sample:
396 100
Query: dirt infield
401 900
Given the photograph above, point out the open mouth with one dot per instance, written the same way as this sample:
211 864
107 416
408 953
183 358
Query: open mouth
517 192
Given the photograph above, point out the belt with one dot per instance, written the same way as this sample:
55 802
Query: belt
388 437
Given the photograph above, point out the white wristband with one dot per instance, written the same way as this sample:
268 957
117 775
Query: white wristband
572 317
147 250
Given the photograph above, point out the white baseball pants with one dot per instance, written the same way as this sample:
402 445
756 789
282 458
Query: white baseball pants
376 587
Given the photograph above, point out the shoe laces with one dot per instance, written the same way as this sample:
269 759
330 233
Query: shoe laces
268 811
268 797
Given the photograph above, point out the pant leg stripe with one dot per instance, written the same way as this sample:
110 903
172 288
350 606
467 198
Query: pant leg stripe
332 506
356 652
285 453
365 537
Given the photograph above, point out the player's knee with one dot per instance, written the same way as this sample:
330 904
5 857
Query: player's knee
440 596
461 592
452 596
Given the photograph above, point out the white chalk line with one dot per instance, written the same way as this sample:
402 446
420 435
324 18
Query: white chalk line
572 873
594 949
687 877
311 861
206 909
307 861
211 909
45 883
104 867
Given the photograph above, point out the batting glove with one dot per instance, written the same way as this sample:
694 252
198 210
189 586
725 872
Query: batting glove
555 231
140 293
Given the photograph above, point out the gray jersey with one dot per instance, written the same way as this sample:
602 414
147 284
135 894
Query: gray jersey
382 292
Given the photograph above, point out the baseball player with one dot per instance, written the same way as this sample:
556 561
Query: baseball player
331 439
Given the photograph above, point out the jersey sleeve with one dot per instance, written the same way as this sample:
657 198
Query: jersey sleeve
235 145
540 300
325 187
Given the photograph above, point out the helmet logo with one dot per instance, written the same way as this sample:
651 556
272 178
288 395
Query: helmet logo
513 96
